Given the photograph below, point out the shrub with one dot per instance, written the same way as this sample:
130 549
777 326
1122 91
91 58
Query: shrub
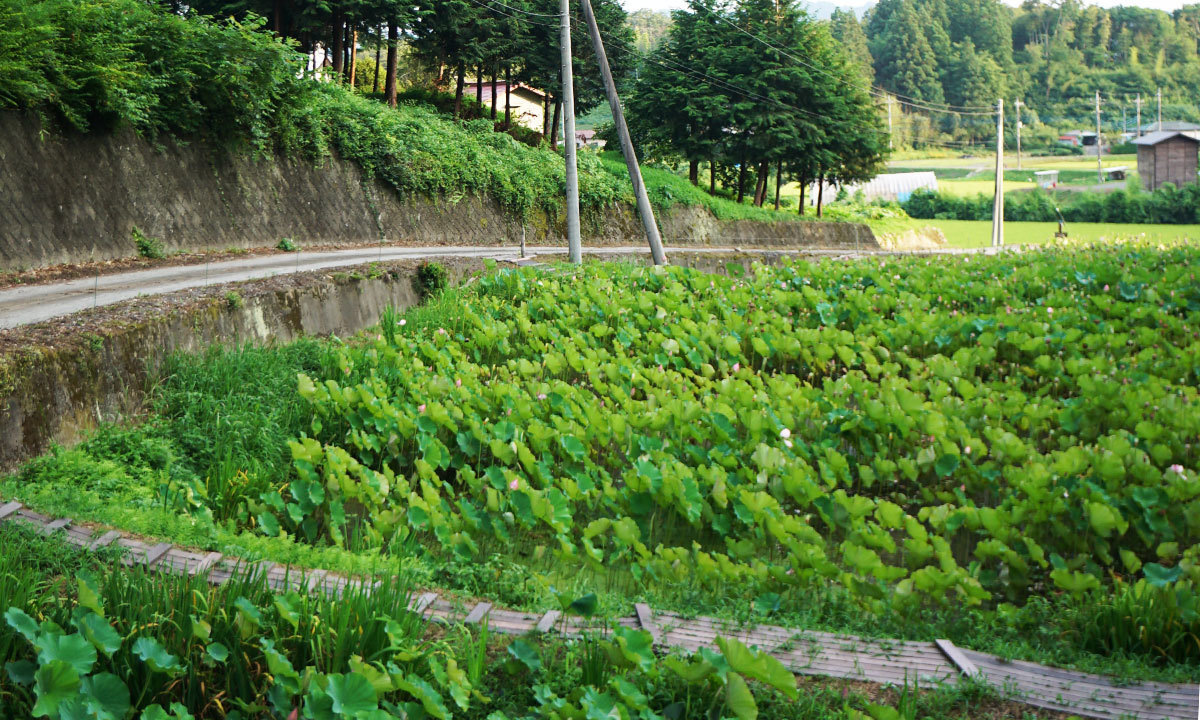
148 247
287 245
234 300
432 279
1167 205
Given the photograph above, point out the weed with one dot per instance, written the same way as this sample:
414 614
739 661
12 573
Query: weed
287 245
233 300
148 247
432 279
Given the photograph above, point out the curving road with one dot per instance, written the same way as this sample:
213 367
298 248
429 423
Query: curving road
23 305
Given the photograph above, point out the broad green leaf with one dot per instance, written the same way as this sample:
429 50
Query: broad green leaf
106 695
526 654
739 699
156 656
1160 576
73 649
54 682
584 606
351 694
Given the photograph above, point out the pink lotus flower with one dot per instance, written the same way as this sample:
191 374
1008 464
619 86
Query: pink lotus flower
1105 288
514 484
458 382
737 366
541 396
967 449
421 407
403 322
1176 469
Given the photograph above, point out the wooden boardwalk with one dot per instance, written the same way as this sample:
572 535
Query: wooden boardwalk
804 652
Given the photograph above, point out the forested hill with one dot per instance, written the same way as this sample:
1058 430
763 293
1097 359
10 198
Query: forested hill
1053 56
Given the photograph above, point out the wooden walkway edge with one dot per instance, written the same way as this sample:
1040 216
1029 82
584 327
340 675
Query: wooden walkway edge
804 652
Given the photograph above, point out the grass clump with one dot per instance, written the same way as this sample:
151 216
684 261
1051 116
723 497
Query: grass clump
148 247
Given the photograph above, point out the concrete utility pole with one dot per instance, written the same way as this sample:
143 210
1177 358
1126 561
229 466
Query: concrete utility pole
574 243
1158 92
889 105
1017 109
998 202
1099 162
1139 115
635 173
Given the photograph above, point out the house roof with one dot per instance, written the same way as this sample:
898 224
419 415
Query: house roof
1171 125
469 88
1157 137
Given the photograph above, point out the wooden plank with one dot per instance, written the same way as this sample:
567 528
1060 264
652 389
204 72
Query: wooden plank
206 563
646 620
547 621
476 615
9 508
316 579
422 604
105 540
55 526
156 553
964 665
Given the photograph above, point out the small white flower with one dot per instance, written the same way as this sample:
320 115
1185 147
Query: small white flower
785 433
402 322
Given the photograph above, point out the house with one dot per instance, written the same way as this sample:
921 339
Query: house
587 138
1081 139
1169 156
528 103
1168 125
889 186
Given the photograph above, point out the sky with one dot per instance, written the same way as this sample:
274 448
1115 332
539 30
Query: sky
1167 5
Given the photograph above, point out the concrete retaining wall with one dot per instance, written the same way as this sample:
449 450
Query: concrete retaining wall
77 199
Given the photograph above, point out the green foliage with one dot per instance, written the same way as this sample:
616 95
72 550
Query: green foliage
287 245
1159 621
148 247
1166 205
432 279
233 300
906 416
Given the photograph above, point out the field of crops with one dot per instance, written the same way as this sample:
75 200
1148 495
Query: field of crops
918 431
999 450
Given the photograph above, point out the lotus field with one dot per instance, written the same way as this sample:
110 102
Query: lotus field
921 431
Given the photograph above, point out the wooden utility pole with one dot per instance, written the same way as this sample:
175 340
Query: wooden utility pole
635 173
1099 143
998 202
574 243
1017 108
889 105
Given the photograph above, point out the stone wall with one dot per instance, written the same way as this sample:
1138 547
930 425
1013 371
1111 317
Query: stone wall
78 198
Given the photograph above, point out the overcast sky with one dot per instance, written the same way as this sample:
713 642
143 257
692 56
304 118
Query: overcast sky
1167 5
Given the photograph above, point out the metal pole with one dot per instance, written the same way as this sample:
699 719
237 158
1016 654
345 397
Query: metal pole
1139 115
1099 162
998 203
1159 94
574 243
635 173
1017 109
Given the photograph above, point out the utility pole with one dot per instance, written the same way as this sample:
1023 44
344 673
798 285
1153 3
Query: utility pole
1099 162
1158 92
998 202
574 243
1018 105
889 105
1139 115
635 173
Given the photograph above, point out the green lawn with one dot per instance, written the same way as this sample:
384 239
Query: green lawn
978 233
